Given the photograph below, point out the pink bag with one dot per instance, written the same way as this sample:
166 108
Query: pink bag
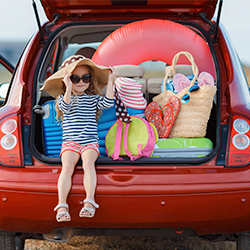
138 137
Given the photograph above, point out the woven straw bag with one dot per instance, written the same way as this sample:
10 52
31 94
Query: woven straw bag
193 116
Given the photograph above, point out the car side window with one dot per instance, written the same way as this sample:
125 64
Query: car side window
6 72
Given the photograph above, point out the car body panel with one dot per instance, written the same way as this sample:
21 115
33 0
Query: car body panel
216 212
217 191
237 104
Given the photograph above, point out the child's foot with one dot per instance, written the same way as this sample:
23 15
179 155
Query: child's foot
89 208
62 212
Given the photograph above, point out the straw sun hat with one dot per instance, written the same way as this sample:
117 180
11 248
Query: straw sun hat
54 84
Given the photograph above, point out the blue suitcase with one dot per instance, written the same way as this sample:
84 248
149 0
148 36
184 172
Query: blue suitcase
52 130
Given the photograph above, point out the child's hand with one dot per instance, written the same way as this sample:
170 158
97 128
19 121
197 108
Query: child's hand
67 81
112 74
68 84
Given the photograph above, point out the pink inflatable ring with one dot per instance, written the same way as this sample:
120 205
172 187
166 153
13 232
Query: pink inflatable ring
153 39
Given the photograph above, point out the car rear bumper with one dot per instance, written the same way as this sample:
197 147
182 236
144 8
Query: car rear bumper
204 208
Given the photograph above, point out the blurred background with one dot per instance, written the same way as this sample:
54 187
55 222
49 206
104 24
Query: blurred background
18 24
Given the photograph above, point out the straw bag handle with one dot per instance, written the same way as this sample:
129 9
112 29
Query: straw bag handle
174 62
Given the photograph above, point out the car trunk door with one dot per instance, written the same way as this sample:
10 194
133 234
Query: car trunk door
124 9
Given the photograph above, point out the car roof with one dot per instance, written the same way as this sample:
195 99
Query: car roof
128 9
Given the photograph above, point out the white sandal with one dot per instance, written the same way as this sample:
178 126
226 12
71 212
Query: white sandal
88 209
62 214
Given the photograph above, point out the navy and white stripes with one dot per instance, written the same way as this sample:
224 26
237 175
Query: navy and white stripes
79 117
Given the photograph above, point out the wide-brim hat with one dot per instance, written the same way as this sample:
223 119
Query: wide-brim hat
54 84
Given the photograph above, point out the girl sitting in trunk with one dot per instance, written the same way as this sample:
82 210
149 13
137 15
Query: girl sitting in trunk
78 103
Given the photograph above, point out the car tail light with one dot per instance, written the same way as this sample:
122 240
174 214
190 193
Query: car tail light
241 141
238 151
240 125
10 141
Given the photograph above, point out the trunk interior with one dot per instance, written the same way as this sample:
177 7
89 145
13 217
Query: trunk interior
70 38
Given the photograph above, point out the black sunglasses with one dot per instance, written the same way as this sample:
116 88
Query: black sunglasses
75 79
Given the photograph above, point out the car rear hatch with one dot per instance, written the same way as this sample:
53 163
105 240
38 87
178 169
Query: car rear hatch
123 9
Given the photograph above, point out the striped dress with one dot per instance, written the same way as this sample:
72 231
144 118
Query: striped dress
79 117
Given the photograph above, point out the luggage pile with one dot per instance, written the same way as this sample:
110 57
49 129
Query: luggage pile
173 124
179 114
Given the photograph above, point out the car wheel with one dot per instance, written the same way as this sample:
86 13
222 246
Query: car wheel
7 241
243 242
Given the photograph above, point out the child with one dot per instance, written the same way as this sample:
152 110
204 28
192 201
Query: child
77 106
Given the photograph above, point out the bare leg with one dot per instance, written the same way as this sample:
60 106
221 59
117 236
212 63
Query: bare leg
89 179
69 160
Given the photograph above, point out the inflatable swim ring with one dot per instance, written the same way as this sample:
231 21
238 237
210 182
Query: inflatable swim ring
153 39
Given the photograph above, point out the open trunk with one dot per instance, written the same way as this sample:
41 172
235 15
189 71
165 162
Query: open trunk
66 40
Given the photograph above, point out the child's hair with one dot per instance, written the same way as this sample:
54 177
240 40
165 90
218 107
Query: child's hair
91 90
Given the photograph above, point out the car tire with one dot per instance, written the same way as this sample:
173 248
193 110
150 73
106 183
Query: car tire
7 241
19 243
243 242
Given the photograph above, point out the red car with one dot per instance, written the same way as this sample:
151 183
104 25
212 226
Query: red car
205 195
